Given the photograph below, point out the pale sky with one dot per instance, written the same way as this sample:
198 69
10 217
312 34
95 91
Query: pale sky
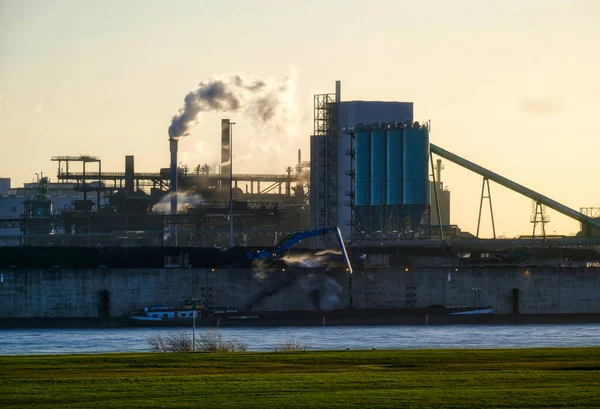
512 85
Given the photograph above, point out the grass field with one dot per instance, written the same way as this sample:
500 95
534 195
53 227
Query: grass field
532 378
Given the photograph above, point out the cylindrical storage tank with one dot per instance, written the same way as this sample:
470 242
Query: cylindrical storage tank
378 167
395 177
395 162
363 167
378 179
416 178
363 177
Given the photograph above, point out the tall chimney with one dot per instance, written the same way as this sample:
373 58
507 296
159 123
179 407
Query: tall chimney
129 174
173 144
225 145
299 158
439 173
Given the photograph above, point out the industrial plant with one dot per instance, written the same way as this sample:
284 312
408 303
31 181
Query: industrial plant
374 178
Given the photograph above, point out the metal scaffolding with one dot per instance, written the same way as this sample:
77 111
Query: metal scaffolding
84 187
324 163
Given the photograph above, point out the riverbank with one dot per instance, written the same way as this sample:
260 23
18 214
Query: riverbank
536 378
424 316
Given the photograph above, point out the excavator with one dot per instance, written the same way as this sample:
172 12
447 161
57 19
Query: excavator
296 238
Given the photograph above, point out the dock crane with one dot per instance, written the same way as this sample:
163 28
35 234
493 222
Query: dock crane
296 238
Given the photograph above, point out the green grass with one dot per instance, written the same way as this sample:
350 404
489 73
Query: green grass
530 378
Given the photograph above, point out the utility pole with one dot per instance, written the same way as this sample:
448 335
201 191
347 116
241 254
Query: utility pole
194 328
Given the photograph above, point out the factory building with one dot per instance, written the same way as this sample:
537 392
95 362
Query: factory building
371 174
90 207
4 186
369 169
118 239
32 203
371 165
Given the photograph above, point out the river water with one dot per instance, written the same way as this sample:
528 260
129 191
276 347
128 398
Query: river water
67 341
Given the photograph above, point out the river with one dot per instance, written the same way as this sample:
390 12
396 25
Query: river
67 341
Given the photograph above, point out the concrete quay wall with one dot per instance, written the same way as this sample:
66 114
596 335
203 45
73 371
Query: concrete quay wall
61 292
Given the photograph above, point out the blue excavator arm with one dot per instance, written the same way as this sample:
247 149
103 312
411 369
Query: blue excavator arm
297 238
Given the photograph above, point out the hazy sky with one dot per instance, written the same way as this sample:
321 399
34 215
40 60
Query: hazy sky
512 85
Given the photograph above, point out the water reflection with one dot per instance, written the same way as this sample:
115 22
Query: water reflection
63 341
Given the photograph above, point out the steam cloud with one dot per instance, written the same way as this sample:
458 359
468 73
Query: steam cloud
267 100
184 200
323 258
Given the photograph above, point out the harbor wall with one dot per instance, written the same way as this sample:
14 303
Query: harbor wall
63 292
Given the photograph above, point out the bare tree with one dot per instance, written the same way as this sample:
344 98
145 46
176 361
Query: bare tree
208 341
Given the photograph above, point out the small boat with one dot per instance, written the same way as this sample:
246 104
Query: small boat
190 308
163 312
473 311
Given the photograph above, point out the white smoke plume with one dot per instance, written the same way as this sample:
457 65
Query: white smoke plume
268 101
323 258
184 201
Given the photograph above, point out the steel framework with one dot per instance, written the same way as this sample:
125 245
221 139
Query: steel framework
162 180
356 227
188 237
539 216
84 159
436 194
593 212
486 182
324 207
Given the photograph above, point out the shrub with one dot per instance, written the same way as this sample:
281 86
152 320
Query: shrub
207 341
212 341
174 342
290 346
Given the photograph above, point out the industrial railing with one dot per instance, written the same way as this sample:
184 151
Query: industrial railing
148 175
108 175
81 158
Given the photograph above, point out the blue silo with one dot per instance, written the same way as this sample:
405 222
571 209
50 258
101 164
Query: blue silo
395 173
363 176
378 176
416 178
350 114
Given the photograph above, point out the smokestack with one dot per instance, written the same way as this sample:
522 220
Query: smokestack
266 100
338 91
299 158
173 142
129 174
439 173
225 145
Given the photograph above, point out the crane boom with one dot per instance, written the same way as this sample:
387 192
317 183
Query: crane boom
297 238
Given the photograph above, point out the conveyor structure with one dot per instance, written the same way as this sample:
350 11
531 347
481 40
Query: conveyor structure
567 211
